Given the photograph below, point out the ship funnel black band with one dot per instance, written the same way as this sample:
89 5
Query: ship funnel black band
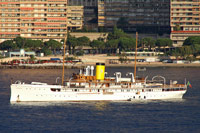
100 63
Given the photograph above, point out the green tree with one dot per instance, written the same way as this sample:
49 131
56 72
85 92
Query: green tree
192 40
163 42
34 44
116 34
185 51
98 45
8 45
20 42
53 44
126 43
46 51
112 45
83 41
196 49
72 42
175 52
194 43
148 42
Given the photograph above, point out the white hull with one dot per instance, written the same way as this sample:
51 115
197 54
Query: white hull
29 92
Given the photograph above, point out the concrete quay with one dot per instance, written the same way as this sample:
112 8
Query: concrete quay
89 60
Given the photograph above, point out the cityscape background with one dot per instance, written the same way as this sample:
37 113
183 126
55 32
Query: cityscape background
49 19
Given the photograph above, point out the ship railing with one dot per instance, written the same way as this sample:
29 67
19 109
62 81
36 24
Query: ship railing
174 89
154 86
157 76
18 82
74 85
175 86
57 80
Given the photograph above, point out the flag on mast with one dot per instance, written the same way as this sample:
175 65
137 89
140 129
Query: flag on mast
188 84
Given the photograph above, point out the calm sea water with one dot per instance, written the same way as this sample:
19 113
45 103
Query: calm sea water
142 116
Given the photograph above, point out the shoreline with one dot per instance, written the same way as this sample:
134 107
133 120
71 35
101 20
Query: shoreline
88 60
78 66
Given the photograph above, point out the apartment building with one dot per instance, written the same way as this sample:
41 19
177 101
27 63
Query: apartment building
185 20
90 11
132 15
38 19
75 17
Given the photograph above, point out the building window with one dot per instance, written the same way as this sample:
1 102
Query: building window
175 42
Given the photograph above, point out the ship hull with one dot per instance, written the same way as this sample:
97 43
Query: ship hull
29 92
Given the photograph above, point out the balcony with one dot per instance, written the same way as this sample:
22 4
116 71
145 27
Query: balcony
33 1
9 35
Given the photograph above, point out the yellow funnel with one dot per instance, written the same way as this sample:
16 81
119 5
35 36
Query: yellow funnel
100 71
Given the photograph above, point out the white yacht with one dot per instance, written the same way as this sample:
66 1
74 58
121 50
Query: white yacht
86 87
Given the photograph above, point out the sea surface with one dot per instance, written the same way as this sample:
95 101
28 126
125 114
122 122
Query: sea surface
149 116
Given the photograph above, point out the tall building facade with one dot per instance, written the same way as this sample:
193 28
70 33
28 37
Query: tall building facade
75 17
132 15
90 11
37 19
185 20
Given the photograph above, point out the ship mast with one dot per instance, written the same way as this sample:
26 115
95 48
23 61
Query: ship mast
64 46
135 55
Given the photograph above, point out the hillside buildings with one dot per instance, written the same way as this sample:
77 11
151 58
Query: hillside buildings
185 20
38 19
46 19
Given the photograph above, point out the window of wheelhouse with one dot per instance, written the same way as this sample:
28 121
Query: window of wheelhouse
75 90
55 89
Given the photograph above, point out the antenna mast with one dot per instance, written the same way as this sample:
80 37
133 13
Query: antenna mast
64 46
135 55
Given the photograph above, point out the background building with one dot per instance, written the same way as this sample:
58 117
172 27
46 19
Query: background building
152 16
75 17
185 20
37 19
90 12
